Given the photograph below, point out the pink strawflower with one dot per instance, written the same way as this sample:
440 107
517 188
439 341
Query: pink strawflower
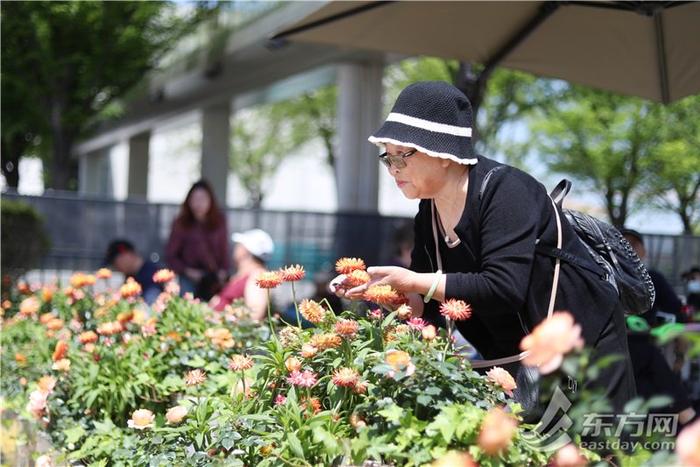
417 323
302 379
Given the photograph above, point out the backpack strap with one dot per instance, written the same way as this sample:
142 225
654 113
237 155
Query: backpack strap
560 191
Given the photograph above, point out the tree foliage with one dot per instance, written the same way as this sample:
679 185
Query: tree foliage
629 151
65 63
674 182
263 136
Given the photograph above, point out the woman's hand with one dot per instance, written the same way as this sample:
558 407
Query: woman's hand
401 279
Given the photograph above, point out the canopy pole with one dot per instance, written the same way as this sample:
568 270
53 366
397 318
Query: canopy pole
661 54
475 88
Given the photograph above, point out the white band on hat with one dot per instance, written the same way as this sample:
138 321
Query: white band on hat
430 126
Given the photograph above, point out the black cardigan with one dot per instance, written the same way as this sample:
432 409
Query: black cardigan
501 276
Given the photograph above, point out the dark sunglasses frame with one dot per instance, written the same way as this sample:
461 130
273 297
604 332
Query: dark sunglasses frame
396 161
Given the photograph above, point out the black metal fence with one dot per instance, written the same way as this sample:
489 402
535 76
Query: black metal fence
80 228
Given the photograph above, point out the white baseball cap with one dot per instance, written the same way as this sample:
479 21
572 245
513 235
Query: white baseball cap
256 241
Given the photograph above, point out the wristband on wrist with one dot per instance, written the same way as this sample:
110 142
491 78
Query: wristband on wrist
433 288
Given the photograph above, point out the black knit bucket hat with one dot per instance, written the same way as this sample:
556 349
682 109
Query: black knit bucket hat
433 117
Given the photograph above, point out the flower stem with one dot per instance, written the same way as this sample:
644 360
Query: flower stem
269 315
296 307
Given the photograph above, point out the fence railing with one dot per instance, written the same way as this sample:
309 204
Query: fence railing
80 228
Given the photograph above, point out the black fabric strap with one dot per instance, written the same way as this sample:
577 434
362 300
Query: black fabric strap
571 259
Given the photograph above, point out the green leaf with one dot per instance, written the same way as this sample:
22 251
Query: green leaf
392 413
196 362
74 434
295 445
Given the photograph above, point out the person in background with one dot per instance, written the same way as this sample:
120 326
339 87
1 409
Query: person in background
667 302
252 249
123 257
197 249
403 245
692 288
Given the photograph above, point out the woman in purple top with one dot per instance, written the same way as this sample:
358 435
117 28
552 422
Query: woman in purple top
198 246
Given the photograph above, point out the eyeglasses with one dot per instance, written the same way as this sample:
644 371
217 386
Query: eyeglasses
396 161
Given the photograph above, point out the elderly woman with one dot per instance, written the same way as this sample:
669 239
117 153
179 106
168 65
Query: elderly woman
476 233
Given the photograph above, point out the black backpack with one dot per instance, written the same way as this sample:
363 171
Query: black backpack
613 258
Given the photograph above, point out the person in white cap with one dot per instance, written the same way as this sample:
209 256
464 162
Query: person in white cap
252 250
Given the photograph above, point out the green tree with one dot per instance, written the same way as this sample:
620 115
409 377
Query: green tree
674 182
265 135
65 63
602 139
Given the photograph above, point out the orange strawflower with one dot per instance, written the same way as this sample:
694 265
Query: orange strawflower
326 341
348 265
60 351
497 430
80 280
163 275
404 312
356 278
570 456
381 294
455 459
312 311
346 328
399 360
313 403
21 359
240 363
130 289
688 445
292 273
456 310
141 419
429 332
357 422
46 317
61 365
292 364
125 316
54 324
46 383
502 378
308 351
345 377
550 340
220 337
47 293
195 377
110 328
29 306
87 337
103 273
268 279
360 387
